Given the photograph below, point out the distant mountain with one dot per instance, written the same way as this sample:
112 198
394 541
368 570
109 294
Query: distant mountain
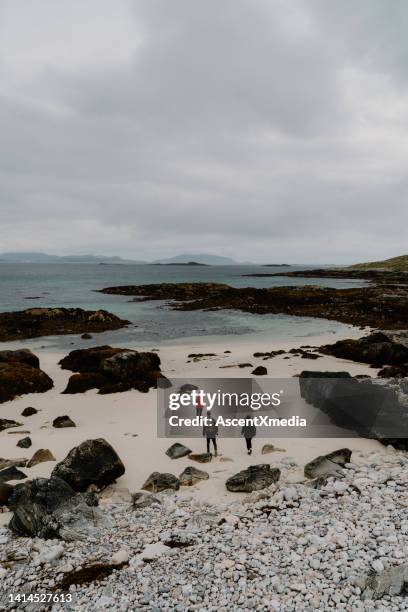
202 258
398 264
47 258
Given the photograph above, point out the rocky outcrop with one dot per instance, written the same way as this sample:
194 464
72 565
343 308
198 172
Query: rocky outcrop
378 349
94 462
158 481
369 407
384 307
49 508
254 478
35 322
177 450
20 373
111 370
191 476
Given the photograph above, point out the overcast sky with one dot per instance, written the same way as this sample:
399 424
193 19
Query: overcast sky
259 129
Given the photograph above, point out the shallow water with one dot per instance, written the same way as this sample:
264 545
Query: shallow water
74 285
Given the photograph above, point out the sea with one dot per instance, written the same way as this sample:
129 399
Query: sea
26 285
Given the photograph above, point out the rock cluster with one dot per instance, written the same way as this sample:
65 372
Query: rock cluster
111 370
35 322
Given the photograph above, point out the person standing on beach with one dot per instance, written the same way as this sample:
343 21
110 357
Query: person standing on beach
210 431
249 432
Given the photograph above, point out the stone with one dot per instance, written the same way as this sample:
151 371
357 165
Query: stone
11 473
379 348
18 378
29 411
112 370
24 442
41 456
267 448
391 581
177 450
94 462
191 475
20 356
328 465
63 421
260 371
201 457
254 478
7 423
157 482
144 500
49 508
86 336
120 557
18 462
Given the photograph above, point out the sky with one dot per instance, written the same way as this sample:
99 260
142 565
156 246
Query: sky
264 130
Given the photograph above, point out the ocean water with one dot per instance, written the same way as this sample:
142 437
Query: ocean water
74 285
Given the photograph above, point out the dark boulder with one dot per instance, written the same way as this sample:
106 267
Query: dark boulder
18 376
254 478
112 370
94 462
11 473
260 371
20 356
86 336
158 481
29 411
49 508
177 450
24 442
397 371
63 421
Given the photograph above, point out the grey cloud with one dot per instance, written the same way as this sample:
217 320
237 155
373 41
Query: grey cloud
260 129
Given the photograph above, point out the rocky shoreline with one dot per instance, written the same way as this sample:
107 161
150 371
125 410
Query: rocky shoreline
373 275
338 542
380 307
36 322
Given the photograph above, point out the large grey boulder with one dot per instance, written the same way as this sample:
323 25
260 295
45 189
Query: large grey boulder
254 478
49 508
94 462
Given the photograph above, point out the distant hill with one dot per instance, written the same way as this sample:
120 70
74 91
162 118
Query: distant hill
201 258
398 264
188 263
33 257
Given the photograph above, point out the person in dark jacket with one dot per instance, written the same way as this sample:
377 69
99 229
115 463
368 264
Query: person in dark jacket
210 431
249 432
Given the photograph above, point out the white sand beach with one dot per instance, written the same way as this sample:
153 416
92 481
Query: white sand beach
128 420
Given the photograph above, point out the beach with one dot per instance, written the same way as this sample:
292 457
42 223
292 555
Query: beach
128 420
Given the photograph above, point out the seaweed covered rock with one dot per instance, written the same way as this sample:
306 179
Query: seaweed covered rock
254 478
111 370
94 462
379 349
35 322
20 373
